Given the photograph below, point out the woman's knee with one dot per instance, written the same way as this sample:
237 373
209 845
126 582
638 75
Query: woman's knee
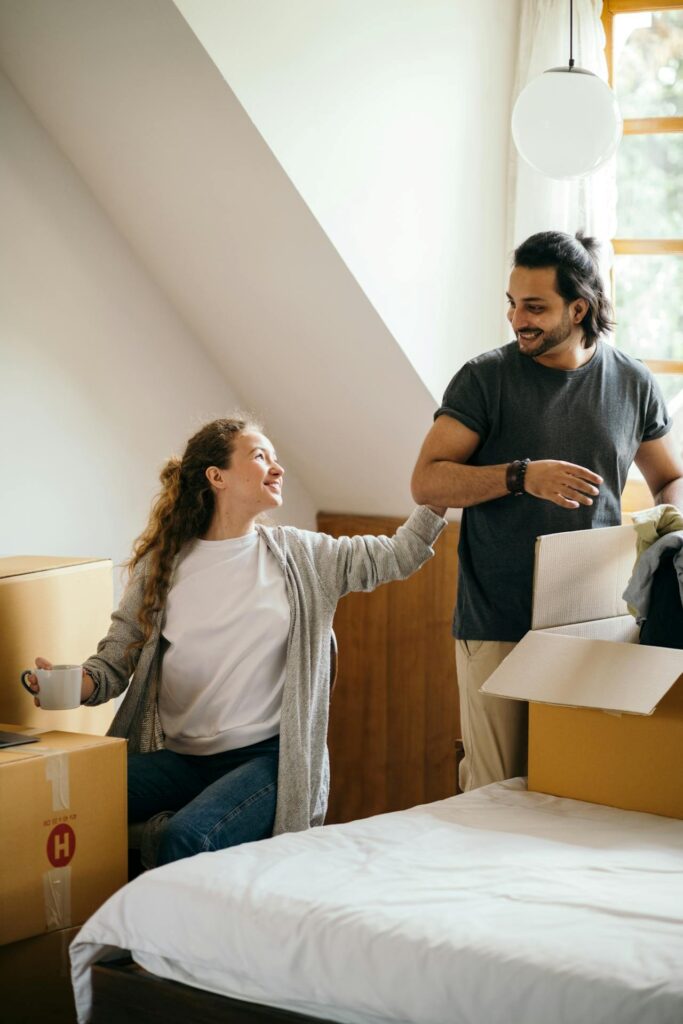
204 829
248 821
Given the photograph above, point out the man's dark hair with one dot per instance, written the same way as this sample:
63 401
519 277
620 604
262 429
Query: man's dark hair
575 259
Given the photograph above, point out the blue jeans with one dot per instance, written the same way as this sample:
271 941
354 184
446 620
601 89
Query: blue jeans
219 800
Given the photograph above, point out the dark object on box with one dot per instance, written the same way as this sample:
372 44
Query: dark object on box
14 739
663 626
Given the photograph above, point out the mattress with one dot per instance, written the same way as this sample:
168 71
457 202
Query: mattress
499 906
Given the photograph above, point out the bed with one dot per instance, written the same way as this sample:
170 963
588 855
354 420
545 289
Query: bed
498 906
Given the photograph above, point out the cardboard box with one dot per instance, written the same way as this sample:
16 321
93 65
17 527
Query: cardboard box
606 715
58 608
64 845
35 980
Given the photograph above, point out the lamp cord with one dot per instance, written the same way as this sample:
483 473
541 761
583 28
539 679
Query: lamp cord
571 34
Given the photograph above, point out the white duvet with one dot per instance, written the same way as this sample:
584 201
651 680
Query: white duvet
496 907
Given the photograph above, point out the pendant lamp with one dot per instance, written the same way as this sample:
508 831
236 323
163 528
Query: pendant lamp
566 123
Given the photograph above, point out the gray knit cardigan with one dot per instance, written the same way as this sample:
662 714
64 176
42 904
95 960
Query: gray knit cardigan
318 570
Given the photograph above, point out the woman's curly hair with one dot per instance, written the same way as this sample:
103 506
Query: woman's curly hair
181 511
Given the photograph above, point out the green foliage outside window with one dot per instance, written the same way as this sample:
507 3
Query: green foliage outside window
648 71
648 79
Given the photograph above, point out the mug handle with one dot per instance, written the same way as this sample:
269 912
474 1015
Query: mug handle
28 672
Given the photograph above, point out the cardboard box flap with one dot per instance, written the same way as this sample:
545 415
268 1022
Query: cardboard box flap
623 629
23 565
581 575
549 668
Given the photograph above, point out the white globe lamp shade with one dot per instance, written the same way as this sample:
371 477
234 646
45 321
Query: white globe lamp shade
566 123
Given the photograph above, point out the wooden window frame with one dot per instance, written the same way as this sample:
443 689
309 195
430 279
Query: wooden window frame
636 494
643 126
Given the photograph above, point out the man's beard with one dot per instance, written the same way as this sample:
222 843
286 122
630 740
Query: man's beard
551 339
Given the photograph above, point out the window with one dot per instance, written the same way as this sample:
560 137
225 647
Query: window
645 61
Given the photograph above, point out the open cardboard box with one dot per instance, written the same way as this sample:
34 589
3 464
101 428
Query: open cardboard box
605 714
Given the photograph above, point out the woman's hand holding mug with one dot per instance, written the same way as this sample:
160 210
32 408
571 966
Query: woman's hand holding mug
63 686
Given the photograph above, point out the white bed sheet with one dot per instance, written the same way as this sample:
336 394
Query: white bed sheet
496 907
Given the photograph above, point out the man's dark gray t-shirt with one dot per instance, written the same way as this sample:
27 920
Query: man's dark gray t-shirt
596 417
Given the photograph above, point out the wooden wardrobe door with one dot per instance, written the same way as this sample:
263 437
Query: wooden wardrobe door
394 716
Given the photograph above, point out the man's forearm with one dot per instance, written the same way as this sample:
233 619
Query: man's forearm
454 485
458 485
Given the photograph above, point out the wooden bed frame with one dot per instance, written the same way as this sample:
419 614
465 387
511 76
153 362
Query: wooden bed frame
125 993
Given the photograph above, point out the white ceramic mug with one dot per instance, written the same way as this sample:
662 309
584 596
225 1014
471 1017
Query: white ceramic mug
60 686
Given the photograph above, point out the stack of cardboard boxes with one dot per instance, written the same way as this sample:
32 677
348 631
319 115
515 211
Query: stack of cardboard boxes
63 798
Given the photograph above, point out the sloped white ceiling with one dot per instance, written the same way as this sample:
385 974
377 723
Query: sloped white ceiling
392 119
130 96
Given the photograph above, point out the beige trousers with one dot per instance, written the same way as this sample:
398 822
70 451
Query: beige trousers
494 729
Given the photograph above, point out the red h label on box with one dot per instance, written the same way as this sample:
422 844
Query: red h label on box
61 845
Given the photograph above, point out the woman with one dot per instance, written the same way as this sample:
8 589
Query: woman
225 626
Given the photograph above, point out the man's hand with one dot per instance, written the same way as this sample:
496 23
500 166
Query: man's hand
563 483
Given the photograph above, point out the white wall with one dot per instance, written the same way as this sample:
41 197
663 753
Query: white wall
100 380
391 117
176 165
174 161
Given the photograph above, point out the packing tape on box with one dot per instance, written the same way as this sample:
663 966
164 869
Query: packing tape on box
57 880
57 773
57 898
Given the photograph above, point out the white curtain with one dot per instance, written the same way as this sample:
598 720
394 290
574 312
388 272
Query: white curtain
537 203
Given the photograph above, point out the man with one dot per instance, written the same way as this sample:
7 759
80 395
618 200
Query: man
532 438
